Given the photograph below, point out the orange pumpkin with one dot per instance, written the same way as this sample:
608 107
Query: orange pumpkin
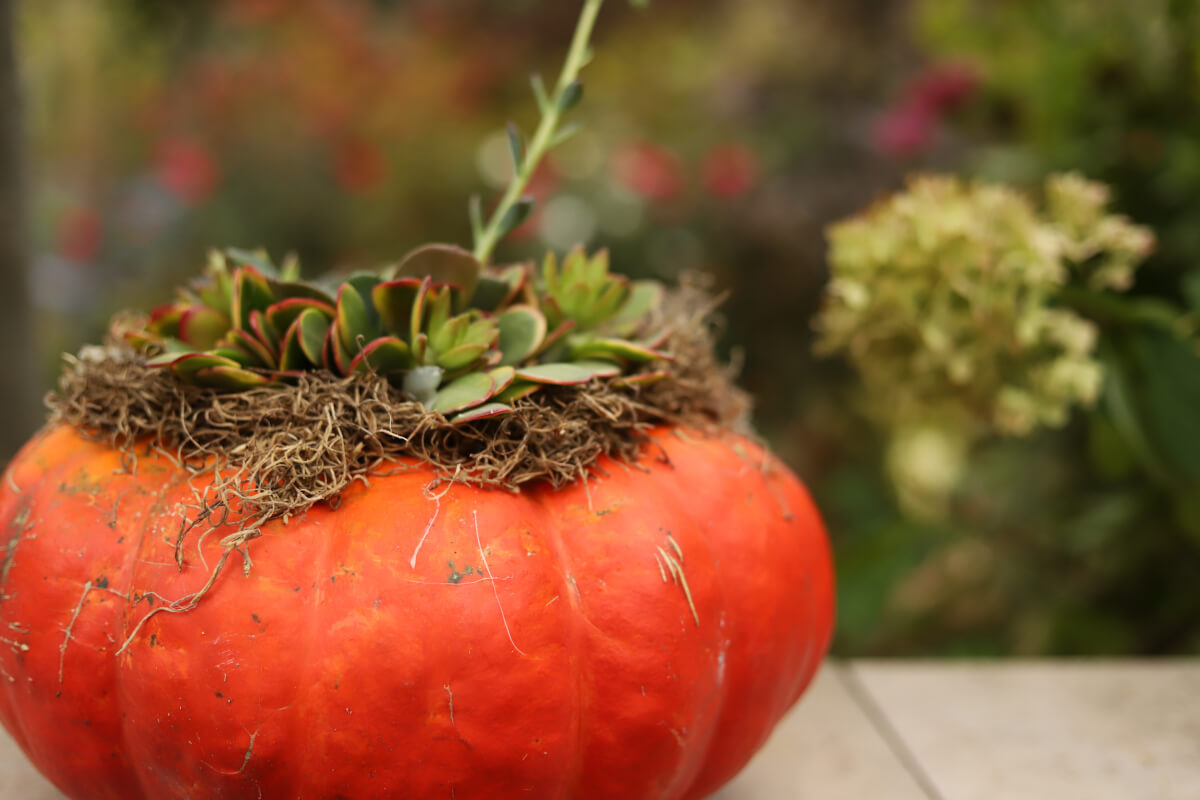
638 637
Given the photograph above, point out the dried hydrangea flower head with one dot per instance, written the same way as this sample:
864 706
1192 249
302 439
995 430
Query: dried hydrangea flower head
945 299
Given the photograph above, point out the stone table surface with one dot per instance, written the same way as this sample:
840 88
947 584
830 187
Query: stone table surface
956 730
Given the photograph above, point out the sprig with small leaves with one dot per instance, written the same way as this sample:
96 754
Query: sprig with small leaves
515 206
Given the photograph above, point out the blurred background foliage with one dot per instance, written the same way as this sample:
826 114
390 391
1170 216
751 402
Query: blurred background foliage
723 136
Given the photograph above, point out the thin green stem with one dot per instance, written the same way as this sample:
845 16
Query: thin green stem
543 139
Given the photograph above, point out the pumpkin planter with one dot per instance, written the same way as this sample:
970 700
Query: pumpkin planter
449 530
638 639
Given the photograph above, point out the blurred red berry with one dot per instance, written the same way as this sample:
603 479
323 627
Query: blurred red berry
905 131
943 88
910 127
254 12
187 170
648 170
359 166
730 170
79 235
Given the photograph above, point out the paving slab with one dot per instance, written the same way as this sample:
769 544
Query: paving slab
18 780
1041 730
826 749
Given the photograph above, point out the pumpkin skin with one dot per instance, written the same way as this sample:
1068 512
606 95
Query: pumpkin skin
528 648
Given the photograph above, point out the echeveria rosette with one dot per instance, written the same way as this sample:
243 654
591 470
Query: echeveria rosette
462 339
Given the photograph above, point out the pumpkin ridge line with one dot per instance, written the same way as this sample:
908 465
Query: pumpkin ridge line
574 640
702 753
167 488
492 580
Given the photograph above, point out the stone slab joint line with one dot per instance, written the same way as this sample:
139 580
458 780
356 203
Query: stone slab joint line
878 717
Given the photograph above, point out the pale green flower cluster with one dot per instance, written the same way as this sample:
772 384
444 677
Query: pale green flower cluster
944 298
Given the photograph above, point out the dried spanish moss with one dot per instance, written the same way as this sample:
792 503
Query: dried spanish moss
277 451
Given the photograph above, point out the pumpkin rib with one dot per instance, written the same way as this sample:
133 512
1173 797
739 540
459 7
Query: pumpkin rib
575 640
59 456
23 499
54 474
668 481
815 646
736 469
299 724
174 480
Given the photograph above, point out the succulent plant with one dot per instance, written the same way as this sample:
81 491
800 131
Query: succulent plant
462 339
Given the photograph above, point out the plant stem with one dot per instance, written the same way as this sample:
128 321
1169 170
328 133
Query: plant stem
543 138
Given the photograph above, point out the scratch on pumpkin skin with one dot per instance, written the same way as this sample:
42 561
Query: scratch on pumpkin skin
249 752
451 702
675 567
455 583
189 601
437 500
22 524
62 648
495 591
245 761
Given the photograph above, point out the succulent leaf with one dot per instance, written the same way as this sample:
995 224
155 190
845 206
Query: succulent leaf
342 356
567 374
503 377
417 326
438 316
246 342
353 322
394 302
164 320
264 331
187 366
522 332
202 327
422 383
518 389
312 326
255 259
291 351
251 292
642 378
463 393
164 359
486 411
285 290
387 356
233 379
644 301
234 354
615 350
215 287
364 283
442 263
461 357
285 312
498 288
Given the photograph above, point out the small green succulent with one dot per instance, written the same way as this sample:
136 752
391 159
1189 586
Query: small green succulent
462 339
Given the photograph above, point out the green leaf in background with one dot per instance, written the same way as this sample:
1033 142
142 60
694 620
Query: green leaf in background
1167 396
